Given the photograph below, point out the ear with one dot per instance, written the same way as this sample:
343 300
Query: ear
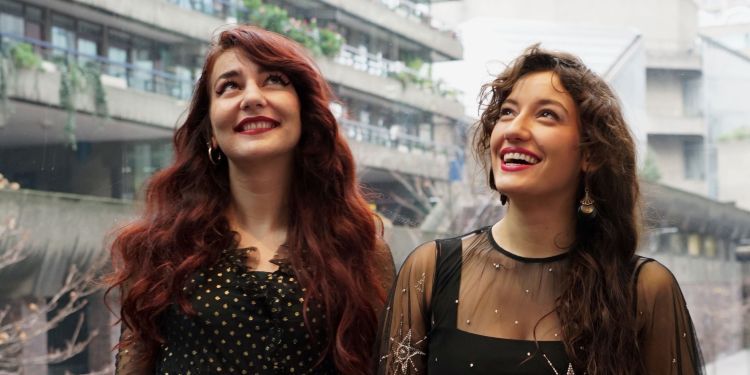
588 164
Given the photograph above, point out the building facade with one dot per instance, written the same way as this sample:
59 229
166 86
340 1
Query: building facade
91 92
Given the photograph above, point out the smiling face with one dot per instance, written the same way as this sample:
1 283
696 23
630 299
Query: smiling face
255 112
535 143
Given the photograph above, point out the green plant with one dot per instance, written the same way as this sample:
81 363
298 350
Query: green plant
25 57
12 57
736 135
70 85
330 42
5 72
649 171
93 73
74 79
274 18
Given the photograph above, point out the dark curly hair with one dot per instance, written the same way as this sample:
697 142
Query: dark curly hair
596 308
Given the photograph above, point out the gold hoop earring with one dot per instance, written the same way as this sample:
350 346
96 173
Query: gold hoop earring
587 208
211 154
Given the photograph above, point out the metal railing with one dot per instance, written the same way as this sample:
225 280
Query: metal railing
373 63
115 73
393 138
409 9
224 9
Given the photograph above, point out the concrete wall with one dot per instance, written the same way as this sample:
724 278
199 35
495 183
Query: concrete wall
664 93
668 25
414 162
378 14
390 89
162 15
130 105
734 172
726 80
713 293
59 230
668 155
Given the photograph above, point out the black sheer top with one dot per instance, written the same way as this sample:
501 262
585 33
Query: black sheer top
246 322
467 306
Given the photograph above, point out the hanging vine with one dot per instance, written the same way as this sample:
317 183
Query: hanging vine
6 69
75 79
70 85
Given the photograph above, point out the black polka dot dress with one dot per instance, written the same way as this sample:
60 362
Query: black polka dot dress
246 322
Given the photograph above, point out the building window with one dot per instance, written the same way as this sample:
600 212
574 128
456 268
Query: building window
89 36
63 34
33 23
11 18
693 157
691 97
117 53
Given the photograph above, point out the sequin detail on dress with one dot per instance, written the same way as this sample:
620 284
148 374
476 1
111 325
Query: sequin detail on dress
403 353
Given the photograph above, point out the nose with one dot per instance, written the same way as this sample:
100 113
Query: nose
253 97
517 129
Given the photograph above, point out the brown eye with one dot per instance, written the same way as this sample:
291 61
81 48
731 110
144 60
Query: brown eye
226 86
549 114
276 79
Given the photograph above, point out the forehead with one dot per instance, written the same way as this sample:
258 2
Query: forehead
233 59
541 85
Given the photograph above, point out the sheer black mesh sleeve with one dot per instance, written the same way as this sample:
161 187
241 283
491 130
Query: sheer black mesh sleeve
402 344
668 341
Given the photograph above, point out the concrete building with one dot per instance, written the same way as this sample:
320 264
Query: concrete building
683 92
92 91
694 79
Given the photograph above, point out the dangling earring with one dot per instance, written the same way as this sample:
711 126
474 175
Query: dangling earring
211 154
587 208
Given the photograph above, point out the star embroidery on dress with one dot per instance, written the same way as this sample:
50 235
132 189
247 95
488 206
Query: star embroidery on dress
403 353
420 284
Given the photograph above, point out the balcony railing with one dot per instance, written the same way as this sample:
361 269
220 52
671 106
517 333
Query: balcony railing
113 73
394 139
224 9
373 63
416 11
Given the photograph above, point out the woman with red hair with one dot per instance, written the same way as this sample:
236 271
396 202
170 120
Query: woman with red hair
257 252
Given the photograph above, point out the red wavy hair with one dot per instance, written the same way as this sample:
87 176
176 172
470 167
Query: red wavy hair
184 226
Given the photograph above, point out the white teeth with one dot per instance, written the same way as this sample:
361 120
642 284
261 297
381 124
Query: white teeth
519 156
257 125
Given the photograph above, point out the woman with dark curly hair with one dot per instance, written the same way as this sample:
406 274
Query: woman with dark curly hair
555 286
256 253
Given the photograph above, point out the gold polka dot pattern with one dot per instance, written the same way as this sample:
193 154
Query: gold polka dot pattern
246 322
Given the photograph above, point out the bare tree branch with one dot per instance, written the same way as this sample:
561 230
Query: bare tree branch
38 319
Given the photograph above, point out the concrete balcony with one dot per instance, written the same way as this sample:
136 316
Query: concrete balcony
141 103
375 147
676 125
390 89
445 45
147 17
683 61
164 15
37 116
55 231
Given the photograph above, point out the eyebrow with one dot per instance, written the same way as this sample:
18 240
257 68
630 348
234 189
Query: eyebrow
542 102
235 73
228 74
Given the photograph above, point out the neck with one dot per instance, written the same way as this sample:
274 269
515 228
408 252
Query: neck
536 228
259 203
